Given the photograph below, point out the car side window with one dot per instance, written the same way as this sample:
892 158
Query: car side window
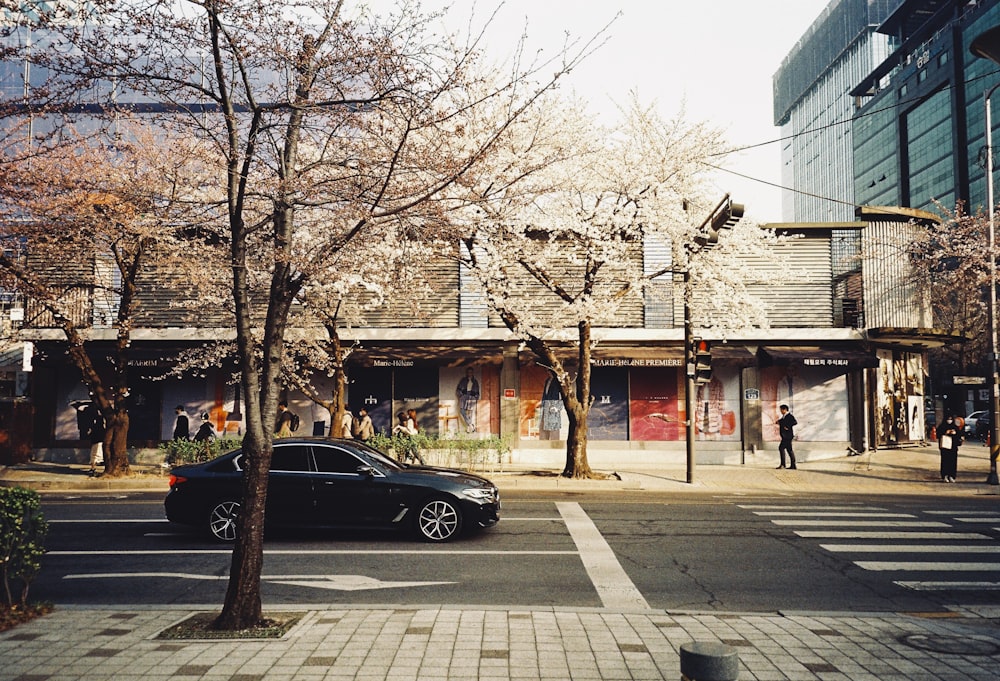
336 460
293 458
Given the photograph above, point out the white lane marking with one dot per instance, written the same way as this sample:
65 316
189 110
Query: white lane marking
110 520
910 548
862 523
831 514
328 582
868 534
993 519
148 575
103 521
315 552
960 512
607 575
786 507
950 586
879 565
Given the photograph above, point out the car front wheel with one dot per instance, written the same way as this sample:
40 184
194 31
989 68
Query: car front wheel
222 520
438 520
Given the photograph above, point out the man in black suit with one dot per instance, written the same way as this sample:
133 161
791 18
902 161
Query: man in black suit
786 429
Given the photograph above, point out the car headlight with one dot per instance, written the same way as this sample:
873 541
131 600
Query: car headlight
481 493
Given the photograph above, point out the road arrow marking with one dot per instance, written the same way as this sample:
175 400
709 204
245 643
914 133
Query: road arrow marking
329 582
346 582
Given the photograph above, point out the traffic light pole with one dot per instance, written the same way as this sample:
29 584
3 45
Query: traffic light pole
723 216
689 372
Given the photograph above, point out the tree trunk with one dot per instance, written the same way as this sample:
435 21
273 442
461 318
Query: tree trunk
116 462
576 398
339 381
575 394
243 609
577 465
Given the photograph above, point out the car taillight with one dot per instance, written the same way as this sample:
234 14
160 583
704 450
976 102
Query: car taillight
176 480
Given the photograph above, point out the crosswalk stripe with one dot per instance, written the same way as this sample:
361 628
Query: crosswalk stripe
868 534
951 566
911 548
872 526
612 583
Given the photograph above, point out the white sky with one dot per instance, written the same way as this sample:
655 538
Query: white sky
717 55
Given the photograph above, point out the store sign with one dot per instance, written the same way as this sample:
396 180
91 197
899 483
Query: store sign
826 361
639 362
392 362
969 380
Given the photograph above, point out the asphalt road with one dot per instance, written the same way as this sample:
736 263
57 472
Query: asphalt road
703 553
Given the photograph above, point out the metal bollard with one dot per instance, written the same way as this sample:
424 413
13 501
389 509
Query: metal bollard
705 661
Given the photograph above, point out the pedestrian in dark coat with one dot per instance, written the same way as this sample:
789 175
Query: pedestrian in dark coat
949 439
786 429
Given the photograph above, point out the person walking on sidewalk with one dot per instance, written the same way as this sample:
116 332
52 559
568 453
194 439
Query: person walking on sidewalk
786 429
366 430
949 438
96 432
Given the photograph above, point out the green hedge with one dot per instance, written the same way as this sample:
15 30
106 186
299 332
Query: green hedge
469 453
463 452
22 531
176 452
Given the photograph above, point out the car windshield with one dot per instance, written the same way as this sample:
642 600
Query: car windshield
236 462
378 456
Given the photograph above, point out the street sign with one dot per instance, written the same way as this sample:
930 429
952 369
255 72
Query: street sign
969 380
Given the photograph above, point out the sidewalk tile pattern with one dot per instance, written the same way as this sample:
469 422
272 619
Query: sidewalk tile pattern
427 643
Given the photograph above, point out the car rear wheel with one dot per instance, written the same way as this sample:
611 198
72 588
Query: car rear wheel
438 520
222 520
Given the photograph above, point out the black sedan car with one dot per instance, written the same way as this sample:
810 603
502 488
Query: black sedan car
319 482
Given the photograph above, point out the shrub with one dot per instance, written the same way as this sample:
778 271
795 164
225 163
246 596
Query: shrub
22 531
177 452
469 453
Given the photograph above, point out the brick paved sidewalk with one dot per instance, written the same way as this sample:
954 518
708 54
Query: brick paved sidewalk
474 643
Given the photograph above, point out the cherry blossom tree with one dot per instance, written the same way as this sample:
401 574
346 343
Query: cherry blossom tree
386 272
951 261
324 123
562 237
83 208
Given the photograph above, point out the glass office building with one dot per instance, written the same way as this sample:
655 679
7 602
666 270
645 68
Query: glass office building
813 106
919 129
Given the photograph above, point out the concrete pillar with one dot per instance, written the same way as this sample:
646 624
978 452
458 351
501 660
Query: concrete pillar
510 407
705 661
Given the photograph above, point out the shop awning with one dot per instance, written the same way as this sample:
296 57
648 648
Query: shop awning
846 358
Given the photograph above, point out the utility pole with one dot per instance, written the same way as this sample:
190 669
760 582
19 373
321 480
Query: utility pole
987 45
724 216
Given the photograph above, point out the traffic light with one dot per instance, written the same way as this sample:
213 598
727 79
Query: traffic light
725 215
702 355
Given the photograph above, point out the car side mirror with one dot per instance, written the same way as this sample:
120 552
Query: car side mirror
367 471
